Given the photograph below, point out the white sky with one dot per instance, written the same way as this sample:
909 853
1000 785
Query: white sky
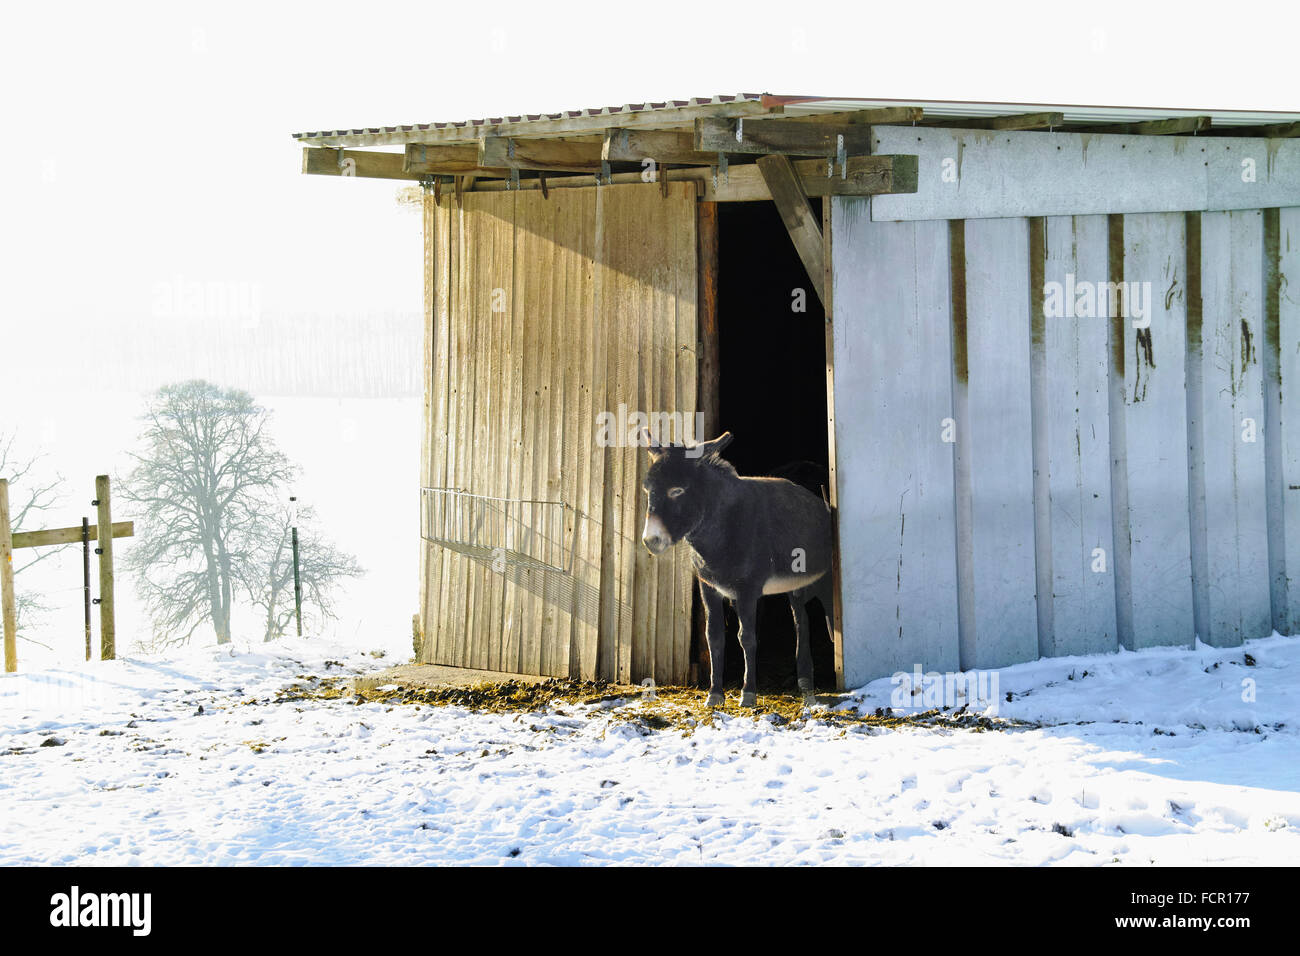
147 143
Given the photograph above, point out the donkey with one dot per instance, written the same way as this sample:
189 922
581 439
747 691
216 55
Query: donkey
748 537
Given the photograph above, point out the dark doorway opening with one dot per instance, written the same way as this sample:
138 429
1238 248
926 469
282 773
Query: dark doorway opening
772 398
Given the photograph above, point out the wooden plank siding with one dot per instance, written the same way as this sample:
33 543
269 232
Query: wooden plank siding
595 297
894 470
439 250
1230 405
985 174
1282 332
1102 489
1153 536
1075 409
996 435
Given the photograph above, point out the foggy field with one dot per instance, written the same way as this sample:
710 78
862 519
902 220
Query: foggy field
359 459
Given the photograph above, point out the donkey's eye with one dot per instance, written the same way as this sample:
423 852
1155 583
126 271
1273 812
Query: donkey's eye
676 492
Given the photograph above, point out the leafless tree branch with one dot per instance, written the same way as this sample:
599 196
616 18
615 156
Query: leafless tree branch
32 495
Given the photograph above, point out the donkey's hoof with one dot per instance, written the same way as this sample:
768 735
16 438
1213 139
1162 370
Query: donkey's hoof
806 689
715 700
748 699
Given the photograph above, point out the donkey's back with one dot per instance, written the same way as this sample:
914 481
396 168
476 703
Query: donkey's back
765 536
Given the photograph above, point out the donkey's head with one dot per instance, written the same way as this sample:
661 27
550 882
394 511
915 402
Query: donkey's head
676 488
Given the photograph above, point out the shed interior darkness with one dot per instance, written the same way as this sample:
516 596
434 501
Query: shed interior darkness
772 385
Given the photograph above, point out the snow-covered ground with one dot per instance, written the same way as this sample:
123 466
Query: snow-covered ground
1152 757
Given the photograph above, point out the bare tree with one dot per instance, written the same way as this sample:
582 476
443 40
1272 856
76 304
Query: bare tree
32 495
321 567
204 490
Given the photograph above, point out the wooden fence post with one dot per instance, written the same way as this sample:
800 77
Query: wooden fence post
85 577
7 581
107 631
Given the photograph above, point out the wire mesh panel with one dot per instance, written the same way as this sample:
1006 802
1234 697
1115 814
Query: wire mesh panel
535 534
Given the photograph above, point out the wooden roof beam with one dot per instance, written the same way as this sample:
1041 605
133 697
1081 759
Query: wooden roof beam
546 155
865 176
662 146
440 160
366 164
722 135
1272 131
1011 121
353 162
1165 127
885 116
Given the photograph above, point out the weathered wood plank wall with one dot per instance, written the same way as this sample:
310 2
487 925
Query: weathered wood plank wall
1282 373
996 435
543 312
1148 376
979 174
894 469
1112 477
1230 402
1076 366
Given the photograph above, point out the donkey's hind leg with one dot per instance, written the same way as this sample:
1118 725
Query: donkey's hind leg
803 642
821 590
747 611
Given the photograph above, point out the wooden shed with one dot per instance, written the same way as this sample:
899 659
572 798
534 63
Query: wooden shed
1045 354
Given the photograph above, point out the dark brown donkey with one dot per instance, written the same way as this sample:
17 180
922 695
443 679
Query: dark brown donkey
748 537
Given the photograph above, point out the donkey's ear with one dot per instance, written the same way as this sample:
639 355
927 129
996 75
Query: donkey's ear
719 443
648 442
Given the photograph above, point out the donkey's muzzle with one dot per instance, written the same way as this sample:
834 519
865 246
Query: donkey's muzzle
655 536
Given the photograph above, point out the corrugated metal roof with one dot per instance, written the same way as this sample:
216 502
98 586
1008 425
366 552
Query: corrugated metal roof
472 126
1074 114
680 113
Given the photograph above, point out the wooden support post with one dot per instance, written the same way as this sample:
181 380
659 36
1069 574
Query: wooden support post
107 629
7 581
707 376
834 612
708 398
797 214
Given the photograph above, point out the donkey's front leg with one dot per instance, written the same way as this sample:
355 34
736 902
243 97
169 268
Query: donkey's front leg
747 611
715 630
